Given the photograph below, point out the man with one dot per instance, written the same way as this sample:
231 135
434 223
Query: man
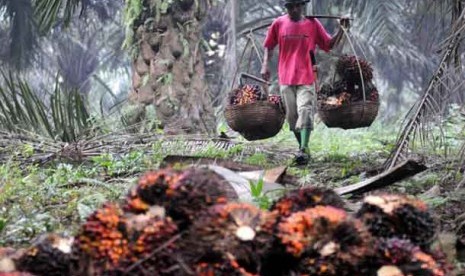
297 37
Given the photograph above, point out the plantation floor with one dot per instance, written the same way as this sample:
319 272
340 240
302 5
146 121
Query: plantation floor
59 196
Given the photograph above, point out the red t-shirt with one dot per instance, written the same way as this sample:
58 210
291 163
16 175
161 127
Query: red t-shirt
295 40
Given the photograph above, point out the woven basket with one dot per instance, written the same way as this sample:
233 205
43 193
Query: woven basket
355 115
255 121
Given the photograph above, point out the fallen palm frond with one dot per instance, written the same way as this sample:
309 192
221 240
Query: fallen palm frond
427 108
30 148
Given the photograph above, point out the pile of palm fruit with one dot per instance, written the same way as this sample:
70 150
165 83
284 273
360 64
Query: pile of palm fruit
354 83
189 222
251 93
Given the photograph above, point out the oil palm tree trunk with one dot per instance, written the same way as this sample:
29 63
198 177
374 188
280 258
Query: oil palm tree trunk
168 69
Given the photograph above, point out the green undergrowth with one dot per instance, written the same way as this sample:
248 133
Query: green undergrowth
58 197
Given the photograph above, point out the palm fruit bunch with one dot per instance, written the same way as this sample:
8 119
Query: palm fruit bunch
348 68
219 269
101 244
182 193
152 245
277 100
401 216
235 233
338 87
301 199
8 258
326 241
49 255
397 257
248 93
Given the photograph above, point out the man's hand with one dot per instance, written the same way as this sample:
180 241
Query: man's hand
265 72
344 21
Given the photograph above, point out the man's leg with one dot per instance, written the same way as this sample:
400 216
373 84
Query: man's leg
305 100
288 93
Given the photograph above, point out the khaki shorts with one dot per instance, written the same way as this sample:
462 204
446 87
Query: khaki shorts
299 101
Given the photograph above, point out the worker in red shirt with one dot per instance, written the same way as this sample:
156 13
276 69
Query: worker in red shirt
296 37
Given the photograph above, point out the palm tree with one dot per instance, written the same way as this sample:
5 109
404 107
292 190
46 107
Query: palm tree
168 69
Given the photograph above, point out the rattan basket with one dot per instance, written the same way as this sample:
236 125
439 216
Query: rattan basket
354 115
255 121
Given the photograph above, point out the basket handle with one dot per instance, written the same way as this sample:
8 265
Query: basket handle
264 83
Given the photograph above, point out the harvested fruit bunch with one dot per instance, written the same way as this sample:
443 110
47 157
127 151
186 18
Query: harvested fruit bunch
348 68
152 245
182 193
217 269
335 89
50 255
301 199
398 216
153 188
326 241
344 93
277 100
302 230
248 93
101 243
8 259
401 257
236 232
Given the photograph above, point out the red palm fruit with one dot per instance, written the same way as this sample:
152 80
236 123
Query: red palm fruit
152 244
218 269
182 193
301 199
236 232
153 188
348 68
399 216
101 243
197 190
394 255
327 239
49 255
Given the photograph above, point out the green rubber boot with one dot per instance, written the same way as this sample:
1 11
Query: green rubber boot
303 157
304 138
298 137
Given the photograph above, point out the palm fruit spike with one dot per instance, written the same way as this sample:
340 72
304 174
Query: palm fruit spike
101 243
348 68
398 216
301 199
396 255
241 230
49 255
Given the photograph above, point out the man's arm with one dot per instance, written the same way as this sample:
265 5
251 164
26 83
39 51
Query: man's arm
265 72
344 24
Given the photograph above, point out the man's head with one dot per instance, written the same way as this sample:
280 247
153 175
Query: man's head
295 8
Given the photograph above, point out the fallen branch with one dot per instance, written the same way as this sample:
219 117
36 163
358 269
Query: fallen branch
406 169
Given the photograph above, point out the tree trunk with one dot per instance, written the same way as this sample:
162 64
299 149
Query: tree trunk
168 70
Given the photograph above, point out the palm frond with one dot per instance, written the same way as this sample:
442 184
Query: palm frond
425 108
21 110
49 11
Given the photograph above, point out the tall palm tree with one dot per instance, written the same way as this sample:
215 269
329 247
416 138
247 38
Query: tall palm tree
168 69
